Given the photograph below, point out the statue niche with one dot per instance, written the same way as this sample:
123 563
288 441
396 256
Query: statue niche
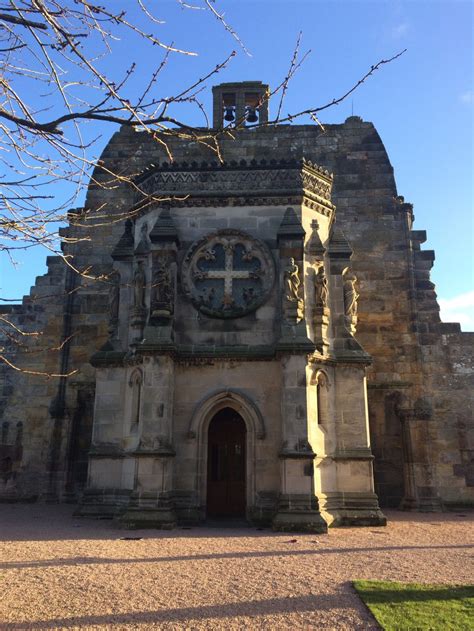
292 281
320 308
139 291
114 302
139 286
351 298
293 302
162 289
321 291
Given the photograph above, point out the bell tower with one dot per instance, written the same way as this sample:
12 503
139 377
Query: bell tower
240 104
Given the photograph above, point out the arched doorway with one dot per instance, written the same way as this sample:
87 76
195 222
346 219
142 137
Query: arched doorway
226 465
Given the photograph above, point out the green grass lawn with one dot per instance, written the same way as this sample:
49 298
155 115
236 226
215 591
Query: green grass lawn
400 606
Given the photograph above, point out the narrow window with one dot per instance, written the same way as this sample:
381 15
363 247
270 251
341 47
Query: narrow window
136 386
322 399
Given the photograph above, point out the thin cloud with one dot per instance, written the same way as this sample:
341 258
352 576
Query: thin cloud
467 97
400 30
459 309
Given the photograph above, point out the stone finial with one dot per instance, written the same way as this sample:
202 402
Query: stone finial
338 244
314 245
164 228
124 247
290 227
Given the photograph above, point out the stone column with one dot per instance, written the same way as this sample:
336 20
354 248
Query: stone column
298 505
421 492
409 500
151 503
106 493
298 508
347 496
352 501
158 334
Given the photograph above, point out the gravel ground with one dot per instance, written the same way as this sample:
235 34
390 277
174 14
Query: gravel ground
62 572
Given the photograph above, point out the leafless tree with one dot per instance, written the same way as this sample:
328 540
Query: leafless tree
53 81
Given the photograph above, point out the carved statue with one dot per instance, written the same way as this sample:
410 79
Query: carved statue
320 288
162 287
292 281
139 284
144 233
350 295
114 294
114 298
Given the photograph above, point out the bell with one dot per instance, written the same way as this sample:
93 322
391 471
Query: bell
229 114
252 115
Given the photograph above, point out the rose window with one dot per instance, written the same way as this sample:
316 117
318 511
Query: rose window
228 274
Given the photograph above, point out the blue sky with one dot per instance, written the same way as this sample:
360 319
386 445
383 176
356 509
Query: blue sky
422 104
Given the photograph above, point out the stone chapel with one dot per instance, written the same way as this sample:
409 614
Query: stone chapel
256 338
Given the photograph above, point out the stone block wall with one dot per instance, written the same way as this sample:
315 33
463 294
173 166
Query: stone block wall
416 360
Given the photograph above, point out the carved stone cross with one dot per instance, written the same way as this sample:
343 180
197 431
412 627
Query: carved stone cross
228 274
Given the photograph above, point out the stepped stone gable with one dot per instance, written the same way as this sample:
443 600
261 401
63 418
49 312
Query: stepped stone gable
252 320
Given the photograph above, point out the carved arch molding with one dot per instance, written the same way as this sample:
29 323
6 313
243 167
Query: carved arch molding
207 408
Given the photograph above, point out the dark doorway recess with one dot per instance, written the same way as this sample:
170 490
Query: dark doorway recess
226 465
80 442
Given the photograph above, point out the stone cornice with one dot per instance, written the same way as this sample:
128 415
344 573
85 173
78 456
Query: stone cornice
235 184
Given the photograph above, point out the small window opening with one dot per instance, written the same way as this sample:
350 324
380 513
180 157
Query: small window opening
229 107
252 102
136 385
322 402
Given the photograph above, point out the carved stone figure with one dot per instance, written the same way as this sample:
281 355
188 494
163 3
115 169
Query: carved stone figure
320 288
114 301
292 281
162 287
350 295
139 284
144 233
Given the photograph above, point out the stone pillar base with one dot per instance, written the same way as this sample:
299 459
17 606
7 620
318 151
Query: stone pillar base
146 510
135 518
103 503
299 521
352 509
422 505
260 516
298 513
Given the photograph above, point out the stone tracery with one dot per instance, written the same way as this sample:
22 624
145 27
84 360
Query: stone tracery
228 273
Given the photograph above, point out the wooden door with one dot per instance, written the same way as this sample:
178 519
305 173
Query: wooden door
226 465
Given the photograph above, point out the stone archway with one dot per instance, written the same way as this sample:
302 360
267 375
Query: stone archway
198 430
226 465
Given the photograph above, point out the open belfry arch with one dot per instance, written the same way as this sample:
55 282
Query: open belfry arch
262 317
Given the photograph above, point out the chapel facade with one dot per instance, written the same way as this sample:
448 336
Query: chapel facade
256 337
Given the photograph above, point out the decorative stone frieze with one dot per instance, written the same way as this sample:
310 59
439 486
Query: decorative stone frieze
239 183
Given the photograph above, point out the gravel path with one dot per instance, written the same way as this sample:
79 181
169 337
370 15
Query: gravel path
61 572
